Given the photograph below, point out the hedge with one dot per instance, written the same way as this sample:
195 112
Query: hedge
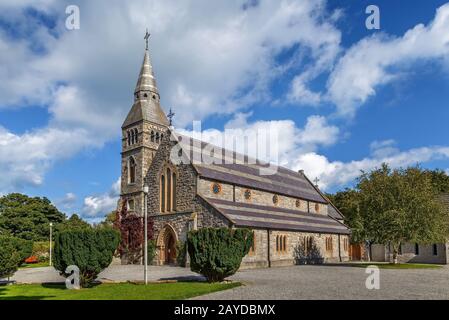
217 253
91 250
10 257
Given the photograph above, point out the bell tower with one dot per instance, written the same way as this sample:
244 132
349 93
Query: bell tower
142 132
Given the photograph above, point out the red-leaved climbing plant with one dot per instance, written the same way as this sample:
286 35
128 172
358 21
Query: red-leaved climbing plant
131 227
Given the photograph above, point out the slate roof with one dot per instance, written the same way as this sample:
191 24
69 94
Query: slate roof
149 110
247 173
283 182
259 216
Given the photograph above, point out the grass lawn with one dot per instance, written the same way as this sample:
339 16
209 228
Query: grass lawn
112 291
396 266
34 265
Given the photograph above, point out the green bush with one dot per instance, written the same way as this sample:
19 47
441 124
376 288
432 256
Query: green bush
10 257
91 250
23 247
181 253
217 253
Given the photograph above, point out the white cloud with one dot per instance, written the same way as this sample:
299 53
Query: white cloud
25 158
338 173
100 205
209 58
287 141
380 59
68 201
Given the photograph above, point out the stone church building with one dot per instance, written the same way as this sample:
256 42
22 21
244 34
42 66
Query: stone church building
284 210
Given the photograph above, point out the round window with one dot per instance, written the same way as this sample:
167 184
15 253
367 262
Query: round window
216 188
247 194
275 199
298 203
317 207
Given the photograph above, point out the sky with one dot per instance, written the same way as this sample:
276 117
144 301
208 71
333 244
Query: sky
340 97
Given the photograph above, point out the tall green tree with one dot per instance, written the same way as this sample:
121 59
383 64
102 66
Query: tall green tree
28 217
73 223
399 206
347 201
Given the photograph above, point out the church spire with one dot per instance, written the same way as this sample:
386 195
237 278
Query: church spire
146 84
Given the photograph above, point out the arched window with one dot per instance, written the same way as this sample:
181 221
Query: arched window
157 137
152 136
284 243
168 190
169 199
131 170
162 135
136 138
174 191
162 191
129 137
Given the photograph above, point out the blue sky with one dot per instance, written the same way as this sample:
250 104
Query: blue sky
341 97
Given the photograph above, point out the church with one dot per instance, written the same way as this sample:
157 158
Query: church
285 210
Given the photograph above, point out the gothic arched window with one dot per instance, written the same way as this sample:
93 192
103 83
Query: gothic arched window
157 137
136 139
168 182
129 137
152 136
174 192
162 192
131 170
169 193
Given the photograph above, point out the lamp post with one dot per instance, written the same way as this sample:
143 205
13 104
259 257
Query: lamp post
51 240
145 210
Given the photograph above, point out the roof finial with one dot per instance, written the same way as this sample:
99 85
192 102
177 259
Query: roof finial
147 35
170 116
316 181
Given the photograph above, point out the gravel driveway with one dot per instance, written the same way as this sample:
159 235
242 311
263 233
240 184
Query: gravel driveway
295 282
336 282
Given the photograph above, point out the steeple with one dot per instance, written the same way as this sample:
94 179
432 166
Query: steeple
146 96
146 84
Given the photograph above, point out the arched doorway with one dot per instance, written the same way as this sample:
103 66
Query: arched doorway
167 245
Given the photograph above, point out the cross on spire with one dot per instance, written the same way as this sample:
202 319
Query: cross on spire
147 35
316 181
170 116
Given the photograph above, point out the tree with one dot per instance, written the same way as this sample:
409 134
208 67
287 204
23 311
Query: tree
28 217
10 258
91 250
73 223
347 201
131 228
440 180
217 253
109 220
401 205
23 247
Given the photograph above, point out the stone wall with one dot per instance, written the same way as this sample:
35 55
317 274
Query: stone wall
143 152
425 254
284 258
229 192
